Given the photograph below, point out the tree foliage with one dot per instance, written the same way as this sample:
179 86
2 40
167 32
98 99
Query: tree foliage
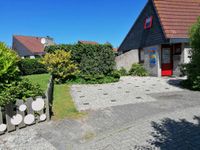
193 68
60 65
8 64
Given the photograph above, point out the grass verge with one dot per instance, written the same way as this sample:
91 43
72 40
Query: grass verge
63 105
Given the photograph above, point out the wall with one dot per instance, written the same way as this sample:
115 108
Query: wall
154 70
181 59
187 53
127 59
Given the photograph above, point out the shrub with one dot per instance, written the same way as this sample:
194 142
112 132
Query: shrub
20 89
193 68
8 64
31 66
138 70
60 65
94 61
123 71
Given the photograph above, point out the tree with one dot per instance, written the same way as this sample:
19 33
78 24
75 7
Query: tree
193 68
60 65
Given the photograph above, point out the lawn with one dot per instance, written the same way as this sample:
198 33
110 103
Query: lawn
41 79
63 105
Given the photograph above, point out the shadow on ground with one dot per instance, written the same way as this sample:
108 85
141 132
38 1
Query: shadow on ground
175 135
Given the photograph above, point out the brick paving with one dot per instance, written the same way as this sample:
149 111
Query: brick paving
130 90
170 122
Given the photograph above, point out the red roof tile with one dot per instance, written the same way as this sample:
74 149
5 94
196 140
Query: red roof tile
33 44
177 16
88 42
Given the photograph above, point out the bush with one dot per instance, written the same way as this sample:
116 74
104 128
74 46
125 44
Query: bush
193 68
12 87
123 72
138 70
8 64
20 89
32 66
94 61
60 65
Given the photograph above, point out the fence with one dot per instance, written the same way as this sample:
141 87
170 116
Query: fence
26 113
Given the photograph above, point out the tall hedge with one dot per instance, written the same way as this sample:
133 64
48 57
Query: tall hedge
31 66
93 60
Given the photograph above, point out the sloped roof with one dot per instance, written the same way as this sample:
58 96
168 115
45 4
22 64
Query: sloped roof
33 44
177 16
88 42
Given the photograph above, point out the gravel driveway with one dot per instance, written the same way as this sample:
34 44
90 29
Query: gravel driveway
130 90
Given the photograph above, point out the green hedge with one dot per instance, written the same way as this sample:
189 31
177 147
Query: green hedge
95 62
31 66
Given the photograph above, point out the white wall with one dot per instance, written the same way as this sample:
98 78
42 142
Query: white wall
127 59
154 70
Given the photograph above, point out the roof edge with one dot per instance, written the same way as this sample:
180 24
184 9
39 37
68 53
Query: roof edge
133 24
159 19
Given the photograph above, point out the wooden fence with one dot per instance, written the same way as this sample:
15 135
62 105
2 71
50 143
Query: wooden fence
26 113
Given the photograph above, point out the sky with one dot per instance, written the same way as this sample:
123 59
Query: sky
68 21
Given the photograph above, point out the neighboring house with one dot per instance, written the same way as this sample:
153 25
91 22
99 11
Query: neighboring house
29 46
88 42
95 43
159 38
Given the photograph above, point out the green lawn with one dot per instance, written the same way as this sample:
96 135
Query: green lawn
41 79
63 105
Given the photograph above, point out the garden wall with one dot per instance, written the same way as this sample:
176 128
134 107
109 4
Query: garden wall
26 113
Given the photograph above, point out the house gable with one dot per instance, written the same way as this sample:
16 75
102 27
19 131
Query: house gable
138 36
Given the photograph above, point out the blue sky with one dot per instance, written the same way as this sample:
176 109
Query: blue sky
68 21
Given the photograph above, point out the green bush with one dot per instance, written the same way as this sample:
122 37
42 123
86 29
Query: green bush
95 62
31 66
193 68
20 89
8 64
60 65
12 87
123 72
138 70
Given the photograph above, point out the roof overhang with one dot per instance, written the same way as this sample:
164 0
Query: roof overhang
178 40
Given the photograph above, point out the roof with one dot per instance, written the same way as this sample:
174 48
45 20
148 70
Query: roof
33 44
88 42
177 16
115 49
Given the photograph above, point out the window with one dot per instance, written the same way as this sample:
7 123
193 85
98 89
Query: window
148 22
177 49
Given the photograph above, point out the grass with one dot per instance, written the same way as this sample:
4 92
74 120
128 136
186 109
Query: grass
41 79
63 105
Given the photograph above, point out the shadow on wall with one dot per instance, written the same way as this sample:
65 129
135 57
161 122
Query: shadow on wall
175 135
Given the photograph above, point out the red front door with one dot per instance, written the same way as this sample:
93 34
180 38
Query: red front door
167 64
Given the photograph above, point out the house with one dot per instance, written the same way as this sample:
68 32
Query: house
115 50
30 46
159 38
88 42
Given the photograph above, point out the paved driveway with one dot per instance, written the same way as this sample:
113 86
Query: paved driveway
130 90
171 122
